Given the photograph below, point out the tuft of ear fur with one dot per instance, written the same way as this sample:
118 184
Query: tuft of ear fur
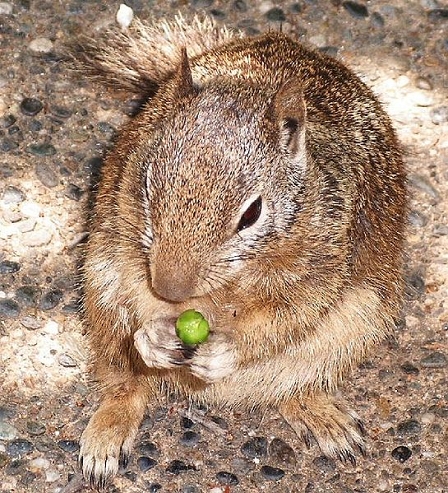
139 58
184 80
290 111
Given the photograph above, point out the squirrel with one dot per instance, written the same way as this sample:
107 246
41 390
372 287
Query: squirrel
261 184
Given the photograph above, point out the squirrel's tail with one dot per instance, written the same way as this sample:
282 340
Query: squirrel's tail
139 58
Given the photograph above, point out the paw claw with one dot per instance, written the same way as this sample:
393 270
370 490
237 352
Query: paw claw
123 461
338 432
347 456
188 352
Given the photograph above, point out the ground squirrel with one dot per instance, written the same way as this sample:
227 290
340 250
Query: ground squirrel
261 184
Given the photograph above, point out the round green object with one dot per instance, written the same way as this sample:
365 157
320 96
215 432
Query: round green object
191 327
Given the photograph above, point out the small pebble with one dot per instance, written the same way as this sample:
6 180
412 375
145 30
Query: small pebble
51 299
240 5
9 308
255 447
13 195
31 323
60 112
186 423
439 115
51 327
31 106
5 8
417 219
35 125
423 184
7 431
46 175
35 428
124 16
15 467
7 412
420 98
149 449
178 466
7 121
69 446
423 83
146 463
147 424
19 448
28 295
202 4
27 478
190 488
221 422
356 9
73 307
189 439
280 452
272 473
415 285
242 465
41 150
440 230
409 368
51 475
436 15
67 361
377 20
154 487
325 464
9 267
275 15
106 128
410 427
429 466
27 226
30 209
428 418
401 453
434 360
7 145
130 475
409 488
38 464
41 45
73 192
225 477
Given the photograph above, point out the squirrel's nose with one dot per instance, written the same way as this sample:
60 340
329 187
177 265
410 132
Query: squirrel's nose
172 285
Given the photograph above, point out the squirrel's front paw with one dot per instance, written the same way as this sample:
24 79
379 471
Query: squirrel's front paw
159 346
106 443
214 360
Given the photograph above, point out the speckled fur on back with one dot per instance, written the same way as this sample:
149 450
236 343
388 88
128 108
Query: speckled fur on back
261 184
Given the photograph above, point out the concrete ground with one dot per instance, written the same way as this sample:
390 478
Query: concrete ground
54 127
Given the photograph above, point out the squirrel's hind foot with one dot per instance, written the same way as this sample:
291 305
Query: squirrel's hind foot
338 431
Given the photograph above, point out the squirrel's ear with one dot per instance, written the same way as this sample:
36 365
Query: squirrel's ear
183 81
290 110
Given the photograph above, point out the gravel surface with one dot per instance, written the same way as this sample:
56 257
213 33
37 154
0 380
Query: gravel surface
54 128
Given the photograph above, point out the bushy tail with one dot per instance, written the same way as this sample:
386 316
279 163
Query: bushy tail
139 58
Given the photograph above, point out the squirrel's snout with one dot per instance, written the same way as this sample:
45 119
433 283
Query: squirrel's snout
172 285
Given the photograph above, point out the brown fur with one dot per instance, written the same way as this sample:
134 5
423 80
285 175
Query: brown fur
295 300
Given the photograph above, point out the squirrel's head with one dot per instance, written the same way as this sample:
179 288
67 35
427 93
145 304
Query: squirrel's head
219 166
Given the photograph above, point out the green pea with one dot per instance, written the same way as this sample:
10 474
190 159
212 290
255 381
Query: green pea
191 327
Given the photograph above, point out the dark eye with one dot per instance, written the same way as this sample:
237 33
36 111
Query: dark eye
251 215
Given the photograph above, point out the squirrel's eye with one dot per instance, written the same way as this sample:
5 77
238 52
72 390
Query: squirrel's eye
251 215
